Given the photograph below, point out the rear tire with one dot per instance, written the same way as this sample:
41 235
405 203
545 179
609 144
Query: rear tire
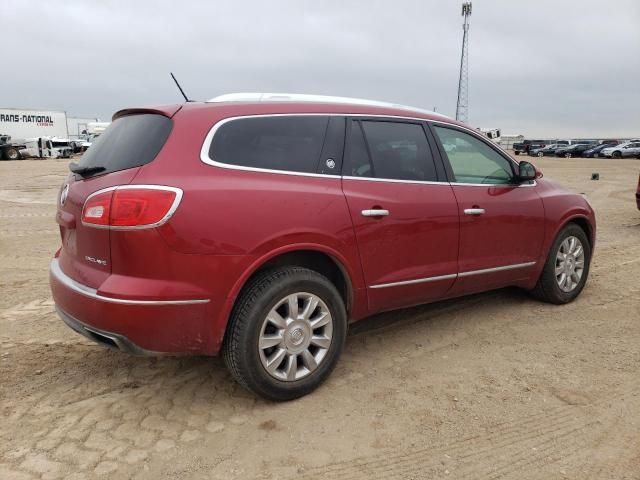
549 289
540 154
276 352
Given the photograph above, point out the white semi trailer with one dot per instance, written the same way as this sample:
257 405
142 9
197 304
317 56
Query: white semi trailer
21 124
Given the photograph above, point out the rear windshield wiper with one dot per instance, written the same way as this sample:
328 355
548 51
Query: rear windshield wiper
85 171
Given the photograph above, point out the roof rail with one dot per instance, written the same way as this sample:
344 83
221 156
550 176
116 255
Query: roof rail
301 97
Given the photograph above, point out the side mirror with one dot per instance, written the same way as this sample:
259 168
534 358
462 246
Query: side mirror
526 172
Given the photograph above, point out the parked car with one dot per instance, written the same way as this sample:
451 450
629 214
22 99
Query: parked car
575 150
623 150
594 151
260 229
548 150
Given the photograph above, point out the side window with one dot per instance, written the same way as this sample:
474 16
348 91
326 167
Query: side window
292 143
359 164
473 161
399 151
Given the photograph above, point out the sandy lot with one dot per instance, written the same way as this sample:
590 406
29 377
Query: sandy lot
492 386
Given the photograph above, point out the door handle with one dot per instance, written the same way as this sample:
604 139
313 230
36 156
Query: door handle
376 212
474 211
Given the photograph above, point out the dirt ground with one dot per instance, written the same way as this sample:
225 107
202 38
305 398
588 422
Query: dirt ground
492 386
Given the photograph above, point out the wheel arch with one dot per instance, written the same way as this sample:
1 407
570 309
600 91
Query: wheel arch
584 224
315 257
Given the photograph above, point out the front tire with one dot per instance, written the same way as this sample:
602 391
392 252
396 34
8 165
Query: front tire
12 153
286 333
616 154
567 267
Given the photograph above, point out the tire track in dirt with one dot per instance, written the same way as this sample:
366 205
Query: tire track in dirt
526 443
26 215
38 308
403 466
27 233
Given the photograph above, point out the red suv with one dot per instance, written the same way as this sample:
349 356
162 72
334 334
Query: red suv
260 229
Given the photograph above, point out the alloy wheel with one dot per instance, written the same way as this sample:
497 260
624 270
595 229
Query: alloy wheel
295 336
569 264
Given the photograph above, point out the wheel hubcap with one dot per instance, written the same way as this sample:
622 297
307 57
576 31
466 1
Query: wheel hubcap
569 264
295 337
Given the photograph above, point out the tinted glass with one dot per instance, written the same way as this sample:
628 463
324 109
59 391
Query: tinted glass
276 143
399 151
472 160
130 141
359 164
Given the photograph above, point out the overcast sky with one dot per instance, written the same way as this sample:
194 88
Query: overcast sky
537 67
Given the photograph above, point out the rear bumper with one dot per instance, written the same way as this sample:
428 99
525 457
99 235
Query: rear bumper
110 340
135 326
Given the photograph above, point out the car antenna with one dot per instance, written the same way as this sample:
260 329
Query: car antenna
180 88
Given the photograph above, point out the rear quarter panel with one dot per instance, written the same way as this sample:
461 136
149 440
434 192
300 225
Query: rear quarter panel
242 219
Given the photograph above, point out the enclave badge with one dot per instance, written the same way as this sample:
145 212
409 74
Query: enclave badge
64 194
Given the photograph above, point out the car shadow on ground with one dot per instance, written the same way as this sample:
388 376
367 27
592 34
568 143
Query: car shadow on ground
97 370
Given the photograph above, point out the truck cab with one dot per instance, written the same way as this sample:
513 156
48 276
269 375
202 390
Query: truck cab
46 147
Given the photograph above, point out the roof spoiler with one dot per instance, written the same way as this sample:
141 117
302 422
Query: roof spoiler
166 110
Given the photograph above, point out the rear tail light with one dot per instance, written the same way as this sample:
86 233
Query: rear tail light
131 206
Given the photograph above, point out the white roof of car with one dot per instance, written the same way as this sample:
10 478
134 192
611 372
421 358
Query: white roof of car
302 97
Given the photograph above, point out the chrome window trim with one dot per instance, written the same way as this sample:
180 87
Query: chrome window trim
78 287
504 185
206 145
163 220
454 275
393 180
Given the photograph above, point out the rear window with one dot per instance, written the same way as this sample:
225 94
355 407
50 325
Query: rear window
275 143
130 141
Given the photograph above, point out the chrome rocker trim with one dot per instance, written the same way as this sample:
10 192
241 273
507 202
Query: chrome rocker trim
455 275
77 287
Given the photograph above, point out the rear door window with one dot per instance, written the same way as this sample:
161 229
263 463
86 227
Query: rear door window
289 143
390 150
130 141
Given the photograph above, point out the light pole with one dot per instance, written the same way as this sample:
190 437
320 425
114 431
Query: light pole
462 106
